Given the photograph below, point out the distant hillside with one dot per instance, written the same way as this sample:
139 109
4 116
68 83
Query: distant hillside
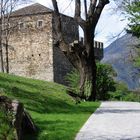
121 54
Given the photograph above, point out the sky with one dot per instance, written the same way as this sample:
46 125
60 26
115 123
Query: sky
110 26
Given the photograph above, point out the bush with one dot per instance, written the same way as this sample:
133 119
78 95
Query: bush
6 127
122 93
104 81
106 89
73 79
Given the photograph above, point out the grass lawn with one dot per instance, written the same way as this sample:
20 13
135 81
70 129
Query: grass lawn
55 114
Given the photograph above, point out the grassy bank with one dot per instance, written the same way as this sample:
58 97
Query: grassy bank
55 114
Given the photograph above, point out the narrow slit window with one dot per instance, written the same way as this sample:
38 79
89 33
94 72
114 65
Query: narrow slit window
39 23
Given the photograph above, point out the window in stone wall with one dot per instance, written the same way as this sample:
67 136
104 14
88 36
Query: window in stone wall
40 23
21 25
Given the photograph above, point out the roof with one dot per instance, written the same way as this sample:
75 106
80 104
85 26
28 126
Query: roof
31 10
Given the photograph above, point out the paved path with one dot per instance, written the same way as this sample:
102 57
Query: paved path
113 121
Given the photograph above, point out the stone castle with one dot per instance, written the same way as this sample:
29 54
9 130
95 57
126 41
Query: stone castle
32 52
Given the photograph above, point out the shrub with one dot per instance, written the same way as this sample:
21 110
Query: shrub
73 79
7 131
122 93
104 81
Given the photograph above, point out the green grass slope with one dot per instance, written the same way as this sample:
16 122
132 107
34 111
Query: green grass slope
55 114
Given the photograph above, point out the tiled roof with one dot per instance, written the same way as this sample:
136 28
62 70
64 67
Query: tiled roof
31 10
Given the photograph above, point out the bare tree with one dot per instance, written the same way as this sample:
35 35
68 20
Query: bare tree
82 57
1 30
7 7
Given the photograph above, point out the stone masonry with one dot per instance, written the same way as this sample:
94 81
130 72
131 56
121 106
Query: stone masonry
32 52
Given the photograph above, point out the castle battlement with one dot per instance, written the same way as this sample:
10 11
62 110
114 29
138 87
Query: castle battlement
98 48
32 52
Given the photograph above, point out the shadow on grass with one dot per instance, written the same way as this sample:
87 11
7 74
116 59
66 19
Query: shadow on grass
57 129
38 100
118 111
19 80
43 104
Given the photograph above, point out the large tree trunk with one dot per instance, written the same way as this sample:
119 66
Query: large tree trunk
87 70
92 96
82 57
87 83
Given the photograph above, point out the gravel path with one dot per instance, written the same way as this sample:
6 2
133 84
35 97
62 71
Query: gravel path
113 121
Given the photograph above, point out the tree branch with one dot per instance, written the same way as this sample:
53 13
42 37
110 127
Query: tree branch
85 4
92 7
99 9
57 17
56 10
77 16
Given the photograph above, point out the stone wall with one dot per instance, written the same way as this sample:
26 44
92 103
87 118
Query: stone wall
98 50
32 52
61 64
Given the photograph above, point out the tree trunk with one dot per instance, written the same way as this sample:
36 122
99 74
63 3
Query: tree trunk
82 58
1 57
87 83
7 58
1 51
90 62
92 96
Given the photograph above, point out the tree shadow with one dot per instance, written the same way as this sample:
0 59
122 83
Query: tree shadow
56 129
120 111
43 104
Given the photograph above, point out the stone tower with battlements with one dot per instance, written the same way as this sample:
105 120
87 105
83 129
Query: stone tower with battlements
32 52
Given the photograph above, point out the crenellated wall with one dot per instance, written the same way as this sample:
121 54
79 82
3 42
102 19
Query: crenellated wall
98 49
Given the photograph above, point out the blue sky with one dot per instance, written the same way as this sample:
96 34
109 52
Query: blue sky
111 23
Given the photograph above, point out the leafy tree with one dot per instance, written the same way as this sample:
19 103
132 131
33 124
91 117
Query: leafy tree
82 57
133 9
105 81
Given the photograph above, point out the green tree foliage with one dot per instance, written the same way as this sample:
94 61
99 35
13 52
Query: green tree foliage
137 62
122 93
133 9
104 81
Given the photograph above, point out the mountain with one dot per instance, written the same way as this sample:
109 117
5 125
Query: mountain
122 54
